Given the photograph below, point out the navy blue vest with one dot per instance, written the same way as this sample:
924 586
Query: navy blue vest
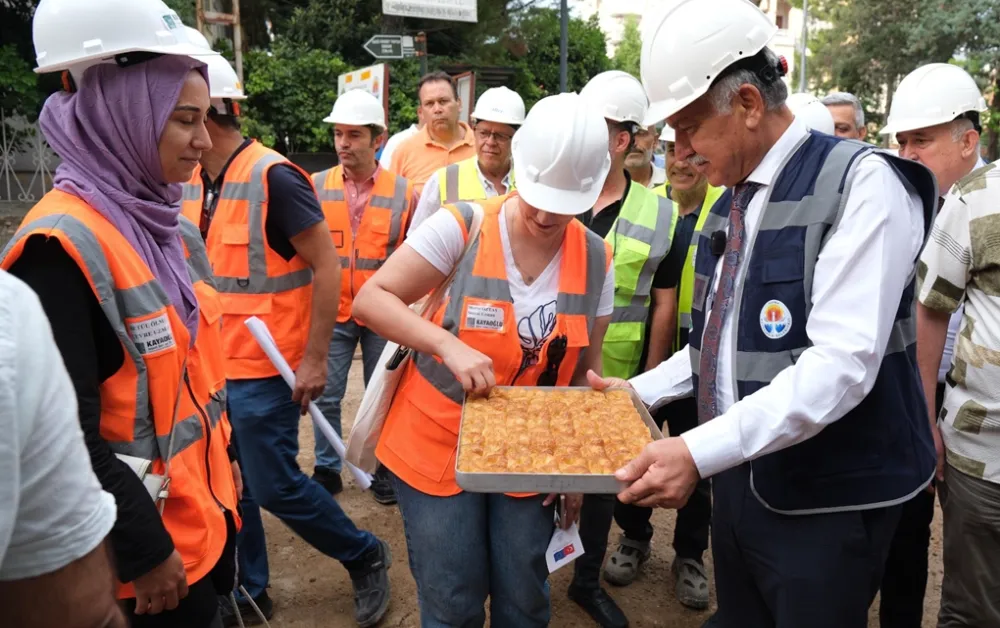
881 452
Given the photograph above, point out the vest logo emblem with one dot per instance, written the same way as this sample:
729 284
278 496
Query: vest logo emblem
775 319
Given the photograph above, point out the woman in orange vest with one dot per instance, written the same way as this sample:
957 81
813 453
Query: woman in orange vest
131 300
529 306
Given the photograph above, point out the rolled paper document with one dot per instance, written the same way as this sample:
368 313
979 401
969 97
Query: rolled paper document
264 338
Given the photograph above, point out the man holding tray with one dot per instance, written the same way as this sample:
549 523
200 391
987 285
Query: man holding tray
802 354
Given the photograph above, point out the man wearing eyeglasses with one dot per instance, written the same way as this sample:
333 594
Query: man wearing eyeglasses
498 114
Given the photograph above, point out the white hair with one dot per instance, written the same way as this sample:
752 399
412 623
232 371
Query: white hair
960 127
846 98
728 85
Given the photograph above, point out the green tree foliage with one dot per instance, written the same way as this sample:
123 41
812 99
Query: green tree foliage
629 50
18 83
290 90
184 9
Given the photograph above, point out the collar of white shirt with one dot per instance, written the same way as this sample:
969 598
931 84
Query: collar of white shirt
487 184
768 168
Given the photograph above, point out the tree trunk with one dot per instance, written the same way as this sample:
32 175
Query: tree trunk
993 147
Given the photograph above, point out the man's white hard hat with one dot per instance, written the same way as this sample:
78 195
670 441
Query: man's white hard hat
357 107
499 104
686 44
931 95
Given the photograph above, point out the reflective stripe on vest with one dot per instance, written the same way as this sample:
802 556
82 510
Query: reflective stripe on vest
379 233
199 268
118 306
191 191
461 182
686 288
641 238
258 281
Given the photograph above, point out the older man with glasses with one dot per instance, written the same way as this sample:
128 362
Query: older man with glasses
498 114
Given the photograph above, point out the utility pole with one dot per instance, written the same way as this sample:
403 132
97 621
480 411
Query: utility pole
212 15
805 44
563 45
421 44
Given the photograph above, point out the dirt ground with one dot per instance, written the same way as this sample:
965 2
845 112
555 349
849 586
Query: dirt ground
313 591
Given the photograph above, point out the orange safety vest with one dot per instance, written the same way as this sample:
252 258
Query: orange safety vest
252 279
165 390
382 228
420 436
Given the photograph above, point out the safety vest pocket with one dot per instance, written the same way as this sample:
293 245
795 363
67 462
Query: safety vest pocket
426 441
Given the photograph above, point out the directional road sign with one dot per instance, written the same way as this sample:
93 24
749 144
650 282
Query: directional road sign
390 46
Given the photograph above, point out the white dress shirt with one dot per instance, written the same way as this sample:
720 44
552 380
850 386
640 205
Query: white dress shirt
859 277
430 197
393 143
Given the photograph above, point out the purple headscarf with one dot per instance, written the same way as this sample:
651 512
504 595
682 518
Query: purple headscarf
107 134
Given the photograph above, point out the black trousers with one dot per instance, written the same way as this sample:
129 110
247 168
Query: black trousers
595 524
200 609
794 571
691 529
905 580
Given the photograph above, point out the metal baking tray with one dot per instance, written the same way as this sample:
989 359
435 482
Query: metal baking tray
548 483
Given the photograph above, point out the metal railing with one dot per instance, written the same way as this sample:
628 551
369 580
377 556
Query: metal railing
26 161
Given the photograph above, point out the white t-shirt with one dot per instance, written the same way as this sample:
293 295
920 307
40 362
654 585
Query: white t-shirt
439 241
52 508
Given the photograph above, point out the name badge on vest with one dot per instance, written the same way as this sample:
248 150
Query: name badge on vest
484 316
152 336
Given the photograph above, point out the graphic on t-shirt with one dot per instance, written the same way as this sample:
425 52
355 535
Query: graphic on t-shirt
534 330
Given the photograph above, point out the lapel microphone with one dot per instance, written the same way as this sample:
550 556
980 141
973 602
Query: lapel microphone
718 243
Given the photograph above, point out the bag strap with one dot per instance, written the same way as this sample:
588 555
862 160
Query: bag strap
437 297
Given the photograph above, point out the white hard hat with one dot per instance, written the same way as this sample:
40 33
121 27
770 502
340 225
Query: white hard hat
561 155
618 95
811 111
931 95
357 107
668 134
223 83
74 35
686 44
502 105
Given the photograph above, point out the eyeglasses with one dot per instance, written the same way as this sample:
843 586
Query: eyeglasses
556 353
501 138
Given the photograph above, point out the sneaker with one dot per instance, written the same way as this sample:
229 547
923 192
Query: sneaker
601 607
247 613
382 489
371 587
692 583
623 565
328 479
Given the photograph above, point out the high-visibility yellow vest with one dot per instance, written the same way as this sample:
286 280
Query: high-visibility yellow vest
685 291
640 238
663 189
460 182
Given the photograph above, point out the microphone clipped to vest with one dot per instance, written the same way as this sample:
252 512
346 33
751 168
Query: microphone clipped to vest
718 242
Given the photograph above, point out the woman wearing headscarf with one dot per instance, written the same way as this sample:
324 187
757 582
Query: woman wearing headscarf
126 286
529 306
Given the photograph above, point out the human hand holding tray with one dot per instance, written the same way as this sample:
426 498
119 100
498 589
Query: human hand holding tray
550 440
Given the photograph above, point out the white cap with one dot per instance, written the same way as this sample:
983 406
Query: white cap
74 35
223 83
561 155
931 95
686 45
668 134
618 95
502 105
357 107
811 111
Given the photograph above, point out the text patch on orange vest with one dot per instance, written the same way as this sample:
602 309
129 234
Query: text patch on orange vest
482 315
152 335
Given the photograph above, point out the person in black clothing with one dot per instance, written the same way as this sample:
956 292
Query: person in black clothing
690 192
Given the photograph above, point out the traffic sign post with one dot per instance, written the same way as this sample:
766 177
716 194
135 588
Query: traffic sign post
391 47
